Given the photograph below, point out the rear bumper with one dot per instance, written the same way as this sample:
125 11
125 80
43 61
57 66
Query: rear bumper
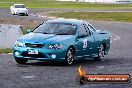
44 54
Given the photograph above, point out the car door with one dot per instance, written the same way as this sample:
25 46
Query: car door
85 45
89 42
81 42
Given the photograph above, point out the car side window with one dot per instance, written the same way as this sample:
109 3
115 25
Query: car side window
87 29
91 28
82 30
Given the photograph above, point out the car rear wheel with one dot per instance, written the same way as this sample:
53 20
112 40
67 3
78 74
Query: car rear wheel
12 13
21 61
100 54
69 56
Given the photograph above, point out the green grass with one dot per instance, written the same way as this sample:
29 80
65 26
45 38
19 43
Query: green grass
60 4
24 31
105 16
7 50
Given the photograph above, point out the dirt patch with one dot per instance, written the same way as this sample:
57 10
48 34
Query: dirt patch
18 21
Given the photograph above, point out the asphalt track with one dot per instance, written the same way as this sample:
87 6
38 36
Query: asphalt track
6 12
36 74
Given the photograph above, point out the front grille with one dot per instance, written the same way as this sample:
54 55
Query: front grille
39 55
22 13
34 45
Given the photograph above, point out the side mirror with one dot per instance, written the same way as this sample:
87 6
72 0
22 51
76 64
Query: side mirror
82 36
28 31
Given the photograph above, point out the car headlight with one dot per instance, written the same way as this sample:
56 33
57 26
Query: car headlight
20 44
55 46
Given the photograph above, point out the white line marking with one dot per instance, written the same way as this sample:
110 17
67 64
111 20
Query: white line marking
52 17
76 11
28 77
60 18
1 66
46 16
114 37
100 67
10 53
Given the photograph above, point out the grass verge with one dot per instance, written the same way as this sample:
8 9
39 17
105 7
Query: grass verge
60 4
103 16
7 50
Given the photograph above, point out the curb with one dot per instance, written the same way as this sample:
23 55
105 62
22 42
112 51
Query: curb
49 17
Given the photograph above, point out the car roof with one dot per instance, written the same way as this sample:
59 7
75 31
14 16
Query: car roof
71 21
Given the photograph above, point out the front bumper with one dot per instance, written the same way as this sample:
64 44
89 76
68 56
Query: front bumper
44 54
21 12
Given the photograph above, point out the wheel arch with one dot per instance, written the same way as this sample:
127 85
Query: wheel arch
72 46
104 45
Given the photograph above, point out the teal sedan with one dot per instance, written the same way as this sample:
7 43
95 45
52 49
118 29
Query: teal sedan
62 40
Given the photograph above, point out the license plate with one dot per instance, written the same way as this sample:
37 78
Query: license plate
32 51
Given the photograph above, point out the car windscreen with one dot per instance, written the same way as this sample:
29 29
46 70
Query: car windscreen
56 28
19 6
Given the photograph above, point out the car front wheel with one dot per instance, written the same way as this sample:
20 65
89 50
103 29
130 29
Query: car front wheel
100 54
26 14
21 61
69 56
12 13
